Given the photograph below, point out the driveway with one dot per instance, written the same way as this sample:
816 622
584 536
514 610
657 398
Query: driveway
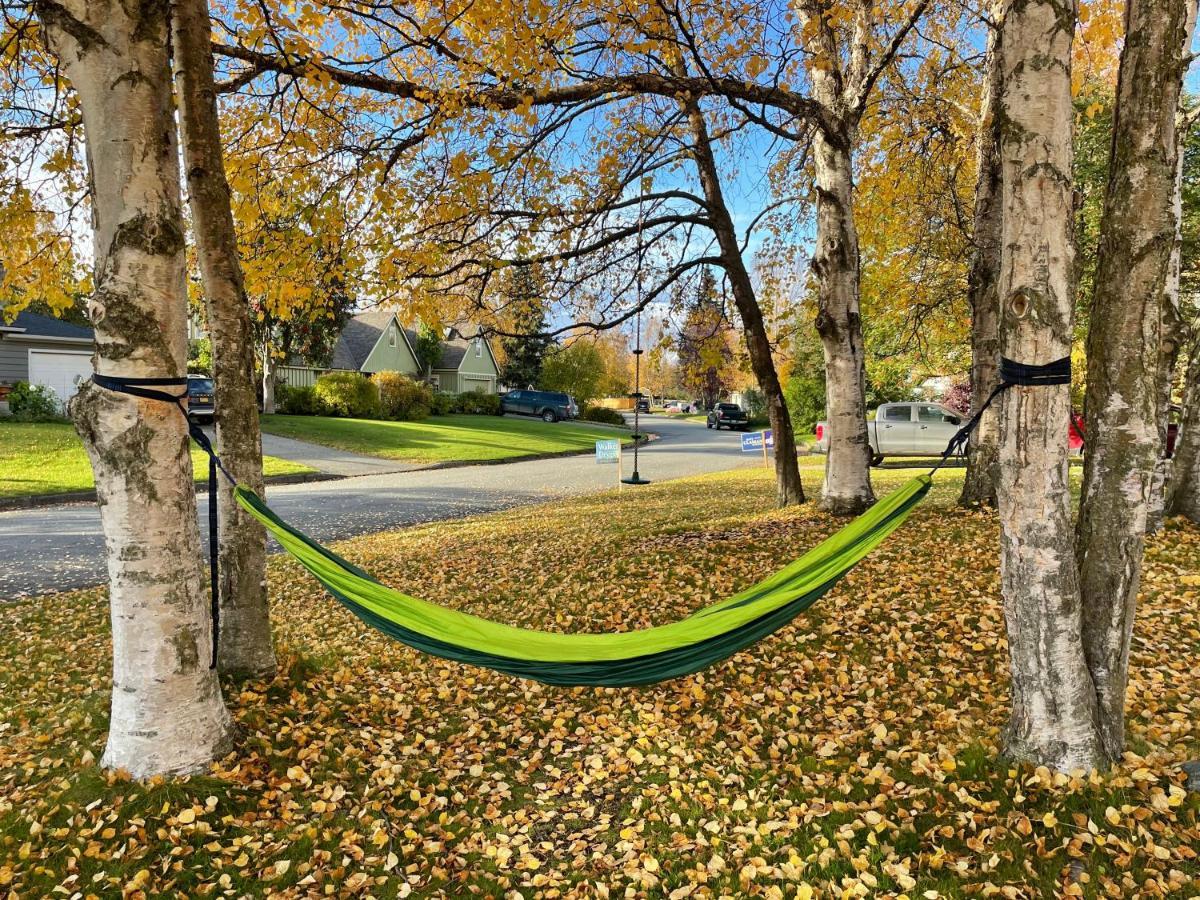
61 547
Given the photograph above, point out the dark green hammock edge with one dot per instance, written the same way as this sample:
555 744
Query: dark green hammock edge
647 668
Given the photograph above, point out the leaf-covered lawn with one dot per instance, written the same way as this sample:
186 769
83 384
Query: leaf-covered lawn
852 754
48 458
442 438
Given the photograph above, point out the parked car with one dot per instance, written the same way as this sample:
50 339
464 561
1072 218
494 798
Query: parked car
201 407
643 404
728 415
548 405
904 429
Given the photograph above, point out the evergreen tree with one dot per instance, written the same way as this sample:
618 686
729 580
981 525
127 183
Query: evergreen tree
524 352
428 349
702 345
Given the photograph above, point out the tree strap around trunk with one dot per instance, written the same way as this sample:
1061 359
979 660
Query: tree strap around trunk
145 388
1012 374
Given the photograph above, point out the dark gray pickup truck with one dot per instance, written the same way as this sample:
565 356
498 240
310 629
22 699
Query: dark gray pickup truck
728 415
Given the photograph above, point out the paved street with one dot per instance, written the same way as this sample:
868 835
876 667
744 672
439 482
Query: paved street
61 547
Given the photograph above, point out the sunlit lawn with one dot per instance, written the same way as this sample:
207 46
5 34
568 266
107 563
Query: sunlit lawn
442 438
48 458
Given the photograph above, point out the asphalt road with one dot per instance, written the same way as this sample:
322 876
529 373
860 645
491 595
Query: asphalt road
61 547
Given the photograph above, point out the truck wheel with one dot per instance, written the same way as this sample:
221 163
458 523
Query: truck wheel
876 459
549 416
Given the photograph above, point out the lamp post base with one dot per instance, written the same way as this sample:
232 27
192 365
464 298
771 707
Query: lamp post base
635 478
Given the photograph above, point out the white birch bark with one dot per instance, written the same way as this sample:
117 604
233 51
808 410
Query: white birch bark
245 645
835 262
1125 347
168 716
268 379
835 259
1180 488
1053 718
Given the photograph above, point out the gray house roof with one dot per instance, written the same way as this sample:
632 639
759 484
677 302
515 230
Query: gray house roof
38 326
358 339
454 348
362 332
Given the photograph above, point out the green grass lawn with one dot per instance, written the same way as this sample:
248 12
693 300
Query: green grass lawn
48 458
854 754
442 438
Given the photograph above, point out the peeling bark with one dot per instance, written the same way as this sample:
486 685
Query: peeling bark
1137 234
788 488
835 262
979 484
1053 718
245 628
168 716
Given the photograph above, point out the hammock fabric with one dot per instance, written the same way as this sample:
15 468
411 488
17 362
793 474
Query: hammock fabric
708 636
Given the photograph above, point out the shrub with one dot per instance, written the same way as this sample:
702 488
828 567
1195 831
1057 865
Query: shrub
34 403
443 404
476 404
402 398
348 395
602 414
297 401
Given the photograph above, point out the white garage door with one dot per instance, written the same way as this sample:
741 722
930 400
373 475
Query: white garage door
60 370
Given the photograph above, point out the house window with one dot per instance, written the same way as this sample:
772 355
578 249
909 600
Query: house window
478 347
391 337
436 382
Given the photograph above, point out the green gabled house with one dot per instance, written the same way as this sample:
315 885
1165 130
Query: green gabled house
376 342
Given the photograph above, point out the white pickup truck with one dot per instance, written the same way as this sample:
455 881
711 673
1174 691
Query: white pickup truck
904 429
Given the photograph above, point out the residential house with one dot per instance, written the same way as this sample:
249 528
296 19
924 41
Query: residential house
47 351
376 342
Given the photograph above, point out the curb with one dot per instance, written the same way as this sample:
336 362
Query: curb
34 501
560 454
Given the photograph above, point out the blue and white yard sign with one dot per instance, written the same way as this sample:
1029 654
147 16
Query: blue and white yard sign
752 441
608 451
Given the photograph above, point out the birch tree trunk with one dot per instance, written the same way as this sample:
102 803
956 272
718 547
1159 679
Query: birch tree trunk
1174 331
1053 719
788 488
268 379
835 262
1184 496
979 485
168 716
244 646
1171 338
1124 347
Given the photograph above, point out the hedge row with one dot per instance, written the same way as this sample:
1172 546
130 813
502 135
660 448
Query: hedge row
385 395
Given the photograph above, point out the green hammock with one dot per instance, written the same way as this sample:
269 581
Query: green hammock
628 658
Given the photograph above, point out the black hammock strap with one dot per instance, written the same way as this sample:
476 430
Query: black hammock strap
1012 374
147 389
